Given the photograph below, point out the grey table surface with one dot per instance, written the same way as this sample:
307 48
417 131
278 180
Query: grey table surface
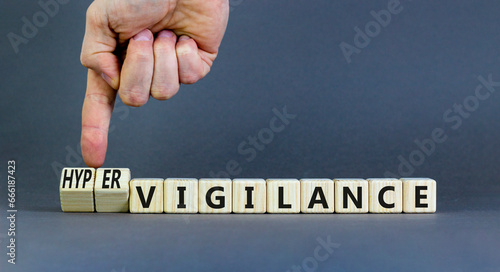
353 119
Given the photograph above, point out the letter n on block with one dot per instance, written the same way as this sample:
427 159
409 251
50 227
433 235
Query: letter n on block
215 195
77 189
112 189
419 195
146 195
385 195
351 196
283 196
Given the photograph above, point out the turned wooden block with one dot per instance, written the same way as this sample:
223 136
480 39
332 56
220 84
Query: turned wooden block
351 196
419 195
283 196
249 196
214 195
180 195
317 196
146 195
76 189
112 189
385 195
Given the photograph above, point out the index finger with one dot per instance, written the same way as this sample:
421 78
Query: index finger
96 115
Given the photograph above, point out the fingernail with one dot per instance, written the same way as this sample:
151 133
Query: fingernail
144 35
166 33
184 37
107 79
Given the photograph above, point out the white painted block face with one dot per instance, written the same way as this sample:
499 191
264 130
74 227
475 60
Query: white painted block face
283 196
419 195
180 195
317 196
351 195
146 195
111 189
385 195
76 189
249 196
214 195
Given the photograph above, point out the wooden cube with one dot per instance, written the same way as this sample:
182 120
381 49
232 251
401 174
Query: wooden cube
419 195
351 196
146 195
317 196
385 195
214 195
111 189
249 196
283 196
180 195
76 189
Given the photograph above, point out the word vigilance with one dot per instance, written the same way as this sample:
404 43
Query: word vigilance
113 190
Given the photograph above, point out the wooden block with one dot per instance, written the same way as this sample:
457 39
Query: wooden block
419 195
351 196
385 195
111 189
146 195
180 195
76 189
317 196
249 196
214 195
283 196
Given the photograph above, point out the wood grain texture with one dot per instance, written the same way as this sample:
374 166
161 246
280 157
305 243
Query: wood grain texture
256 188
385 195
317 196
351 195
419 195
111 189
215 195
283 196
76 189
146 195
180 195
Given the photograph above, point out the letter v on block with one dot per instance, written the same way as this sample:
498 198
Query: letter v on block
146 196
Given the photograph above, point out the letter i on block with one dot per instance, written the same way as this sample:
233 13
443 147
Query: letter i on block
112 189
386 195
316 196
215 195
77 189
146 195
351 196
249 196
419 195
283 196
180 195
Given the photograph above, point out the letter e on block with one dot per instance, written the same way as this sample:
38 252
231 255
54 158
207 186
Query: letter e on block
112 189
419 195
77 189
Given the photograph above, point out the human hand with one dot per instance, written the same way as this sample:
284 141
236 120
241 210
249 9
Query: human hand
153 66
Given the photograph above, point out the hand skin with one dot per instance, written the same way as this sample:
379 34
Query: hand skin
167 42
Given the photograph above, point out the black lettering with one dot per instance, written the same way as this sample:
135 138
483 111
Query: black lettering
249 204
322 200
145 203
419 196
381 197
87 177
105 178
116 176
67 178
357 202
221 199
282 205
181 190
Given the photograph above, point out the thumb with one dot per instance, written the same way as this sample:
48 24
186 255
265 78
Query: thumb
99 45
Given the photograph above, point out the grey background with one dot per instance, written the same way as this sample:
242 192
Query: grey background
353 120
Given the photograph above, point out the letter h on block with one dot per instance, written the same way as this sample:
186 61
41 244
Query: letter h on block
77 189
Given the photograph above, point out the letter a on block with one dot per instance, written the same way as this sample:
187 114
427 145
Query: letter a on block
112 189
351 196
146 195
283 196
316 196
77 189
419 195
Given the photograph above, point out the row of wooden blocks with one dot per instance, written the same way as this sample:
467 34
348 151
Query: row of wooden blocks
112 190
